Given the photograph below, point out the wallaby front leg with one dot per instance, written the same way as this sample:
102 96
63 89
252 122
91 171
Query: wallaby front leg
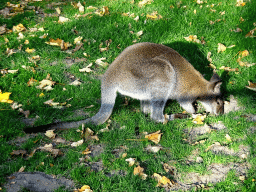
188 106
145 106
157 110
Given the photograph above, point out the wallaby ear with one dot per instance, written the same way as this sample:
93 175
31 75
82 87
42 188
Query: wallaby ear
216 87
215 77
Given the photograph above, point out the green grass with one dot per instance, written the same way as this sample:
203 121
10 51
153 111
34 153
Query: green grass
176 23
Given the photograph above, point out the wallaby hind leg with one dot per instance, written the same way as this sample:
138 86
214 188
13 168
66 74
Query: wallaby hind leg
157 110
145 106
108 97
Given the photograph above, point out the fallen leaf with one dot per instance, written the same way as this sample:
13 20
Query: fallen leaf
238 30
75 144
18 28
153 149
15 105
4 97
20 36
28 50
58 10
244 53
31 81
139 171
75 83
26 42
154 137
86 151
198 118
251 86
85 188
50 134
100 62
63 19
49 148
250 34
192 38
221 47
228 137
131 161
162 180
154 16
78 40
209 57
10 51
229 68
136 18
139 33
51 103
86 69
19 152
22 169
240 3
144 2
80 7
45 84
3 29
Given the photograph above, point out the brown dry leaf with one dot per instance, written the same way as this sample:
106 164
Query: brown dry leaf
212 66
31 81
250 34
144 2
18 28
221 47
251 86
192 38
50 134
154 137
53 42
28 50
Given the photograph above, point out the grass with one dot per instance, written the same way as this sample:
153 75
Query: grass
178 21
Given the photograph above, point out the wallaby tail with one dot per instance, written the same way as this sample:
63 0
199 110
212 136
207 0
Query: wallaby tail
107 103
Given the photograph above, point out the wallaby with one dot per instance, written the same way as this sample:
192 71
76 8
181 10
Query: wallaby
153 73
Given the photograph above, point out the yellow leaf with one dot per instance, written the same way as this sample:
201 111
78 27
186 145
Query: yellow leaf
198 119
18 28
162 180
240 3
28 50
41 95
154 137
78 40
4 97
85 188
244 53
26 42
58 10
221 47
144 2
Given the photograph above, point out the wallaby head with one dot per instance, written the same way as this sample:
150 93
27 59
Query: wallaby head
212 101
